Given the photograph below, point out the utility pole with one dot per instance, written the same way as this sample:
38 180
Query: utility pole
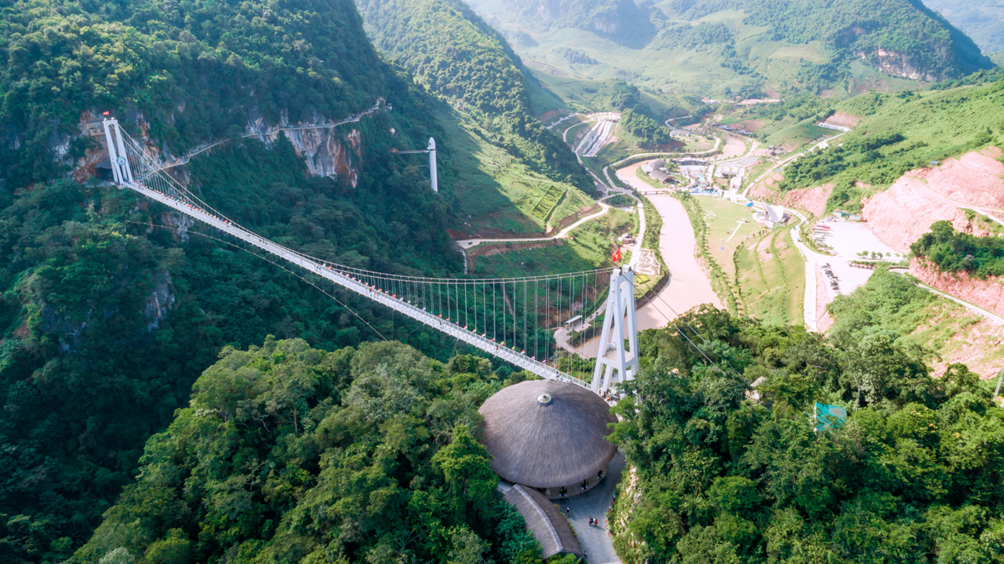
433 172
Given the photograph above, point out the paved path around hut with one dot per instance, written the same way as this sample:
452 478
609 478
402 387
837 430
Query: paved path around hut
596 541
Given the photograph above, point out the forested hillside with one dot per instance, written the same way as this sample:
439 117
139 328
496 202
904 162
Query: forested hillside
110 307
756 48
455 54
902 132
732 466
983 20
293 454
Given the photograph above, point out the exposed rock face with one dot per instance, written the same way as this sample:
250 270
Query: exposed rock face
159 302
975 179
182 222
325 151
988 294
901 214
68 331
606 24
896 64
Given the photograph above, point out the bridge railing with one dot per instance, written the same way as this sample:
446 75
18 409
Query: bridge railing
350 280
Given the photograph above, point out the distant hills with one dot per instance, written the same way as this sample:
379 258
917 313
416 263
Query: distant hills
983 20
748 47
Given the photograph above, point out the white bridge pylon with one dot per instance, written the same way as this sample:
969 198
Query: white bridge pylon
405 294
617 355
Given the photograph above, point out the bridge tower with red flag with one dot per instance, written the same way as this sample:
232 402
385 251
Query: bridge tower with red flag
617 356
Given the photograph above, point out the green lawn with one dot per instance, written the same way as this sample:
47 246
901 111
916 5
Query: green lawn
794 135
723 219
771 278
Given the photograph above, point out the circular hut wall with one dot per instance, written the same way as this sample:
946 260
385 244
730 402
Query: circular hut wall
575 489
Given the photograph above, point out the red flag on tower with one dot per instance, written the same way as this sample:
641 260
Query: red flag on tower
617 256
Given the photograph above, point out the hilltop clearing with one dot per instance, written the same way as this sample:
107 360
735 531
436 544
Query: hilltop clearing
746 47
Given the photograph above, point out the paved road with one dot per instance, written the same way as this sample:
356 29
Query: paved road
811 258
783 164
469 243
596 541
975 309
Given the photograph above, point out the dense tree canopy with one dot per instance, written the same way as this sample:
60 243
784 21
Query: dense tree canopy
111 306
725 476
293 454
951 251
647 130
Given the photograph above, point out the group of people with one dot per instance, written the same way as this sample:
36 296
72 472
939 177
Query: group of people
593 521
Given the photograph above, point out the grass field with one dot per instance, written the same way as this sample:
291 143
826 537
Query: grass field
771 278
547 203
729 225
794 135
497 192
588 96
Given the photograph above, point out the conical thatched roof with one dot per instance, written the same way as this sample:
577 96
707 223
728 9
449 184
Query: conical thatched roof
547 434
545 521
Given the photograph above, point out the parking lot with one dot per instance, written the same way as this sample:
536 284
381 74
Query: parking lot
847 239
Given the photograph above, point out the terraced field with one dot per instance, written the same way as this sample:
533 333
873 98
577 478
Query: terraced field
546 204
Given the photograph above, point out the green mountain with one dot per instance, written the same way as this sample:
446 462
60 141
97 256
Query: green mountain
110 306
752 47
902 132
983 20
293 454
510 160
455 54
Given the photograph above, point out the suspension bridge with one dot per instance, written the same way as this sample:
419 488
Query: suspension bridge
513 319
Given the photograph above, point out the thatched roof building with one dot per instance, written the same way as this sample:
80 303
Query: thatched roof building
549 435
545 521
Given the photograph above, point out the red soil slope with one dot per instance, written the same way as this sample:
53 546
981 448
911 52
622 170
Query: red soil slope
812 199
988 294
904 212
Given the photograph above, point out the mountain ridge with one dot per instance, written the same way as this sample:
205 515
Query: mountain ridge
754 46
